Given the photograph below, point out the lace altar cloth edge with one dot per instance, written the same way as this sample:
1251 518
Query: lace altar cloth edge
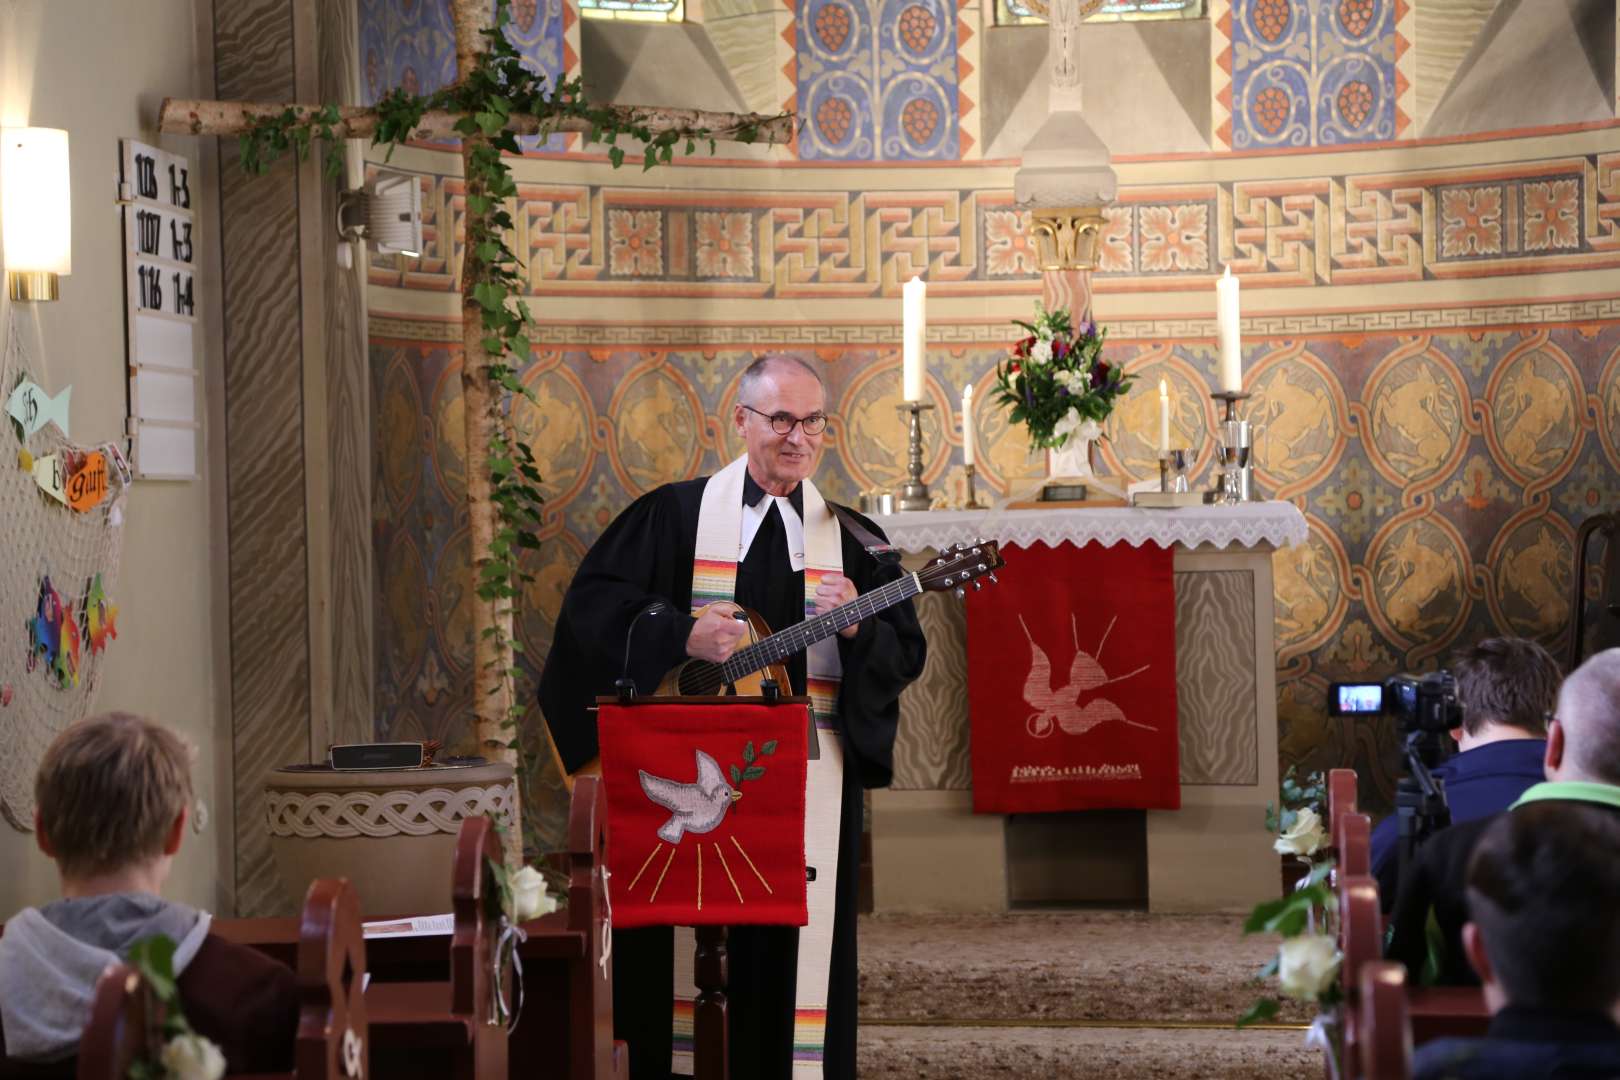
1279 524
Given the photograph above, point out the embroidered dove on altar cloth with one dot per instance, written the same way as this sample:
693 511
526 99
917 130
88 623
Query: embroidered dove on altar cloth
695 808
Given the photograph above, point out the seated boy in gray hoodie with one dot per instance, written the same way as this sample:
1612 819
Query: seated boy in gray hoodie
112 796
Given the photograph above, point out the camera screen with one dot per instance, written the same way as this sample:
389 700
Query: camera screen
1350 699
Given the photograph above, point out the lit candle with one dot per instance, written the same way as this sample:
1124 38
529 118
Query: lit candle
1226 327
967 424
1164 418
914 330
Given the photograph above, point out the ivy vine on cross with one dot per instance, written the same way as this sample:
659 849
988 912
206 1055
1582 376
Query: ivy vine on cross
494 100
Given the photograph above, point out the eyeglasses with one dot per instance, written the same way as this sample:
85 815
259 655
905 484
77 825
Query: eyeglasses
783 423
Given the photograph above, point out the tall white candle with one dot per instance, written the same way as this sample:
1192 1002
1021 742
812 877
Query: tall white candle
1164 417
1226 325
914 332
967 424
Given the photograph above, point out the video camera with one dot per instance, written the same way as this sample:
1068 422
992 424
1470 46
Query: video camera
1426 707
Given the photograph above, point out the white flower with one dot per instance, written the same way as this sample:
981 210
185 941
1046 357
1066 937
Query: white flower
192 1057
1306 837
1077 382
1040 352
1307 966
529 897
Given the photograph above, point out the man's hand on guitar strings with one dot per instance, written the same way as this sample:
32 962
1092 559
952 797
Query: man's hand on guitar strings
835 590
716 634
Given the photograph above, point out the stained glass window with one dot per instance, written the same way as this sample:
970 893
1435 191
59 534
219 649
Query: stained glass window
641 10
1014 12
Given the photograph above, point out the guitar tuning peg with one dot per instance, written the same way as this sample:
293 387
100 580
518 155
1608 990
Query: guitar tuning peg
983 568
977 585
960 592
993 577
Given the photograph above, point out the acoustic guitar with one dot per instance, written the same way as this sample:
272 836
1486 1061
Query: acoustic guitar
745 670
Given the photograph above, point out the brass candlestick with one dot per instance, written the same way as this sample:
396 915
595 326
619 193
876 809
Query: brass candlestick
914 493
973 502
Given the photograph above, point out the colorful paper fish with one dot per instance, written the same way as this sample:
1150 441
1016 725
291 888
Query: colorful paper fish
31 407
87 484
99 616
53 636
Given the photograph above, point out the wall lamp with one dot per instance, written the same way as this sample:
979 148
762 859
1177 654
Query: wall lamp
36 202
386 215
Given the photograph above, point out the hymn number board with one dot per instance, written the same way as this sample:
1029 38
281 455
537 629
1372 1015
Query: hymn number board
160 258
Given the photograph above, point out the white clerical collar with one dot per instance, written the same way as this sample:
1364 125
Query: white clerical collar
792 524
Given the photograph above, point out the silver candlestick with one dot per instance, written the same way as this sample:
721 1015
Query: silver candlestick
914 493
1234 451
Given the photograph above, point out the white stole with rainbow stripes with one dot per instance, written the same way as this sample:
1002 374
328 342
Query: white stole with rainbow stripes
714 578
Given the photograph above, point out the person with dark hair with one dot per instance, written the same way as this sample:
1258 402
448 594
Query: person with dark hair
113 796
1582 756
1544 935
1506 687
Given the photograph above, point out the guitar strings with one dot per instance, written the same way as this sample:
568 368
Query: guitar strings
759 655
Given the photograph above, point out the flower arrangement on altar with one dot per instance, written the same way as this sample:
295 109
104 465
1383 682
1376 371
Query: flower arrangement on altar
1306 966
1056 382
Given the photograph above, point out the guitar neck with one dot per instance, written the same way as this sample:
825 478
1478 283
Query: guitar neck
795 639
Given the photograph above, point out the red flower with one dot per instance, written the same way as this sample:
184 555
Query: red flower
1060 348
1099 374
1026 345
1013 369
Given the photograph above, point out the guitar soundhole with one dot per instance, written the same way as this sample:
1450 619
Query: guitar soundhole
700 677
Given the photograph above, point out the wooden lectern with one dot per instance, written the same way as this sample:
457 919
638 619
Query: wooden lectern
701 792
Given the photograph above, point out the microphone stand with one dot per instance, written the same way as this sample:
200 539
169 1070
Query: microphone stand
625 685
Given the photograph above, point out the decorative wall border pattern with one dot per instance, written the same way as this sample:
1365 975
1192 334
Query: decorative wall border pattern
547 334
1349 229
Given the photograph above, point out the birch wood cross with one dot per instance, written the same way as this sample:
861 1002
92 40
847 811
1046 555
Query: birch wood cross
483 387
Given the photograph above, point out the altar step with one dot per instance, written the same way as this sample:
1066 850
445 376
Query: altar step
1083 1053
1092 966
1067 995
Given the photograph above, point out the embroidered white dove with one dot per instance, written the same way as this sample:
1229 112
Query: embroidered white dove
695 808
1063 705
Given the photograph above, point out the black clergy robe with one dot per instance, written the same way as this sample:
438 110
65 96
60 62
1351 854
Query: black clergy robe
646 555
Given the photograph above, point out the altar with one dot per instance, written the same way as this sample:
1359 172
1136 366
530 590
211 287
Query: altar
931 852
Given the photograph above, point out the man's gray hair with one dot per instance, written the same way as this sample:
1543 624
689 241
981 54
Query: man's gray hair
762 366
1589 713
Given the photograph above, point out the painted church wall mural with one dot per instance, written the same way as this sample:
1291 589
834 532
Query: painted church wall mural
1433 353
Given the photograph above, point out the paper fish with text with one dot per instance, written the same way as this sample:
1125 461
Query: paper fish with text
1062 705
50 473
32 408
99 616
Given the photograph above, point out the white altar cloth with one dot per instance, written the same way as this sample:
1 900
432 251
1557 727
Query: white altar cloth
1279 524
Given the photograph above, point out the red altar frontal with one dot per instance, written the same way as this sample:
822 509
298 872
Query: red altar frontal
1075 713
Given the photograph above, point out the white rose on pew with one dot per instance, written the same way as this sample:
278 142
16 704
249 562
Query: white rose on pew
192 1057
1307 966
1305 837
529 897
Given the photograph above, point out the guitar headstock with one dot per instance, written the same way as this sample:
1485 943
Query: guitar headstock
956 566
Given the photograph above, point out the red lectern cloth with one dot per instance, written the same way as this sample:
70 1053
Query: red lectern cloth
680 849
1072 681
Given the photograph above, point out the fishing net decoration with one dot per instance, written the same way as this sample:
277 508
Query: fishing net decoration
78 552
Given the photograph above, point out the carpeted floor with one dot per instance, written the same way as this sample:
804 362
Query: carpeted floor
1040 995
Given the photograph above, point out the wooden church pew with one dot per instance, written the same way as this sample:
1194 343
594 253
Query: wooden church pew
333 1036
447 1028
562 962
1341 799
1354 844
1386 1033
1433 1011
